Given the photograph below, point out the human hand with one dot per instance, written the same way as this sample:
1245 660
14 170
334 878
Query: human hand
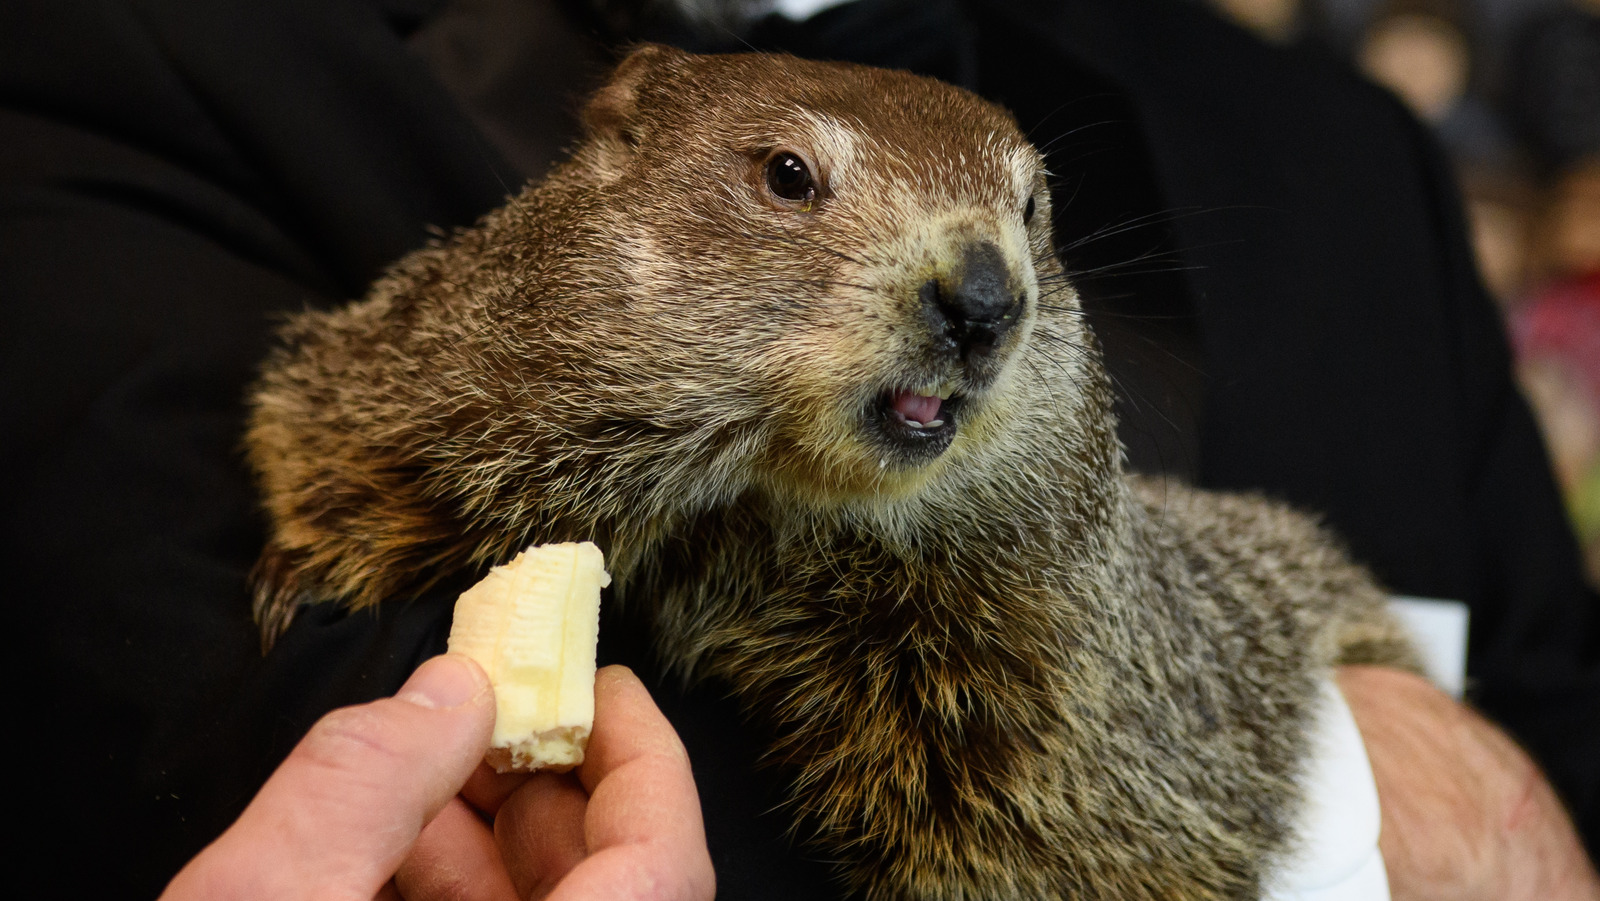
343 810
372 784
1466 813
625 825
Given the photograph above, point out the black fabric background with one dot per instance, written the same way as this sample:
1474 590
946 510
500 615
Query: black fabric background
1302 319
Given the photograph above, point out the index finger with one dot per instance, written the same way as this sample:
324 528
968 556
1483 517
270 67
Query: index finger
643 825
629 729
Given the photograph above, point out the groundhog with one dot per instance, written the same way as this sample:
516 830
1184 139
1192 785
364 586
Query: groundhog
790 341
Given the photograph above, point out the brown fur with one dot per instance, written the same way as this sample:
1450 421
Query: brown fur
1006 672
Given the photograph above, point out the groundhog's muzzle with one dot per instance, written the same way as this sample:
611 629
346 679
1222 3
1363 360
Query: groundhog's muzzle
969 313
971 310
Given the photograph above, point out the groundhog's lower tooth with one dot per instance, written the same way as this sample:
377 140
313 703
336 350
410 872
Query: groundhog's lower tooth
533 625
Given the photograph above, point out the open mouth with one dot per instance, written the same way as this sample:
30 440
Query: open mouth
916 424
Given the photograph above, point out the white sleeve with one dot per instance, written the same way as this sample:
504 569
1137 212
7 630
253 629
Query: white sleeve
1439 629
1336 857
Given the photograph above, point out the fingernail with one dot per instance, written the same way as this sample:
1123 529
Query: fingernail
444 681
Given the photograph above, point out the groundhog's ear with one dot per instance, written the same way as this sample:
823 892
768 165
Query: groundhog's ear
613 113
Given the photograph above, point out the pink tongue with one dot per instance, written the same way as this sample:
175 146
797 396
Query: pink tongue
916 407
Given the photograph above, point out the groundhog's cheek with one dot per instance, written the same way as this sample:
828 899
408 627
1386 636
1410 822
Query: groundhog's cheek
815 410
825 374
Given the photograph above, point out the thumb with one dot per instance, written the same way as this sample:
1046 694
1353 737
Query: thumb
340 813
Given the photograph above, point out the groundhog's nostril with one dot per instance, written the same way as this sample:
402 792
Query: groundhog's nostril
973 304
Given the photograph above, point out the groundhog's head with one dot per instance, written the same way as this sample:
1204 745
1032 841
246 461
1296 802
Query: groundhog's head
830 285
851 257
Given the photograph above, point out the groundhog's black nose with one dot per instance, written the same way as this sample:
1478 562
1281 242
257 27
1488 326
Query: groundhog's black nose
973 307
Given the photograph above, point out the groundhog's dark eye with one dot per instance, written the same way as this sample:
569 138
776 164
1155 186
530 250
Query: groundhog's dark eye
1027 211
788 178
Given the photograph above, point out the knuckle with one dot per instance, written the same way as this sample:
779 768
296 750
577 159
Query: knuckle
350 738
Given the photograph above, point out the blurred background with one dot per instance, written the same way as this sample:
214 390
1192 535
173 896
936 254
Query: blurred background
1512 90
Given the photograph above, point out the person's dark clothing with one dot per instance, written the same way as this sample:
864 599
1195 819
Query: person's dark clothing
1272 251
1555 86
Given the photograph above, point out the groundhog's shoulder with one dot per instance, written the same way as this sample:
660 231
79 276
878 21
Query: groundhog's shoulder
1264 561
